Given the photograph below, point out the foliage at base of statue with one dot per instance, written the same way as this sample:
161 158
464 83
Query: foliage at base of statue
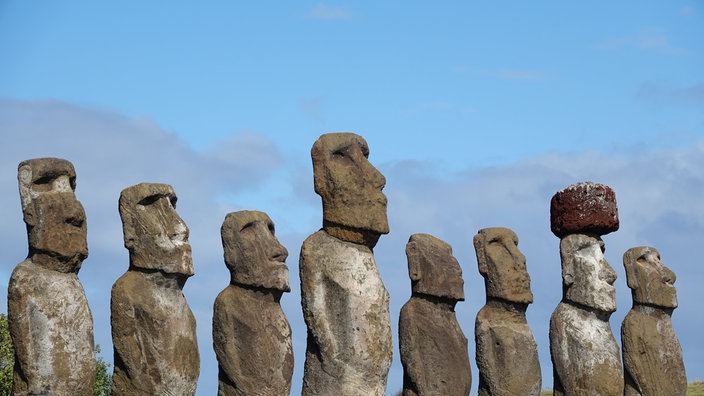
103 378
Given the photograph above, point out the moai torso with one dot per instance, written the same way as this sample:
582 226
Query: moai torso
251 336
507 354
345 304
652 355
347 312
586 359
585 356
433 347
49 318
153 328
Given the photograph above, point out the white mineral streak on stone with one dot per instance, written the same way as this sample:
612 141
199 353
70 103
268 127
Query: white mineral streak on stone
586 358
356 325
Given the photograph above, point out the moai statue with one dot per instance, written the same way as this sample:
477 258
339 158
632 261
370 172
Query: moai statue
153 329
585 356
345 304
652 355
433 347
507 354
49 318
251 336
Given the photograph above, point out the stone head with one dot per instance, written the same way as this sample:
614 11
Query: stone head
502 265
650 281
349 185
587 278
154 234
252 253
433 269
55 219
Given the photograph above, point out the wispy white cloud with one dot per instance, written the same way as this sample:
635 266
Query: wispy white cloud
663 92
646 40
658 191
323 11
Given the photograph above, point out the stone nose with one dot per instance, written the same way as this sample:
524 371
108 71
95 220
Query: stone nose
667 275
607 274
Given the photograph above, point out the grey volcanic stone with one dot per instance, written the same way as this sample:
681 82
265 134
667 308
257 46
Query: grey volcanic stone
251 336
345 304
507 354
584 208
433 347
585 356
49 318
652 354
153 329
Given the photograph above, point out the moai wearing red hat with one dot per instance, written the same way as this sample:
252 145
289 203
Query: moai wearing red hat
583 349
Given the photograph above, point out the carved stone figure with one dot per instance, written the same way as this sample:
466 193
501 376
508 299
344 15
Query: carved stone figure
345 304
507 354
49 318
652 355
585 356
251 336
153 329
433 347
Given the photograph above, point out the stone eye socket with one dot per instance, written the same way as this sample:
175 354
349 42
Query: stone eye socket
248 226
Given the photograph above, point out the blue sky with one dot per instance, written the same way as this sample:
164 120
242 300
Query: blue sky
476 113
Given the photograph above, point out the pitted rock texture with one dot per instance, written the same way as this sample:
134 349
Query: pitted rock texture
652 355
507 354
346 308
433 347
585 356
350 187
50 322
251 336
153 328
584 208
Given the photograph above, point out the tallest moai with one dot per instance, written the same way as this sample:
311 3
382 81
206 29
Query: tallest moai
49 318
345 304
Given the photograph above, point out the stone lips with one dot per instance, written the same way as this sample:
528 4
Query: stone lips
584 207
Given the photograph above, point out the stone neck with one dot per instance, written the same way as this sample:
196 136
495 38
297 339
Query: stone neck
54 263
259 293
650 309
350 234
163 279
442 302
601 315
505 305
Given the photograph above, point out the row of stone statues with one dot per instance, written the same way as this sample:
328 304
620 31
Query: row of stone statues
345 303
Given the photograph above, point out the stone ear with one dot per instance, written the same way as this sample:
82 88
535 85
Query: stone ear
414 269
29 215
481 254
567 273
629 263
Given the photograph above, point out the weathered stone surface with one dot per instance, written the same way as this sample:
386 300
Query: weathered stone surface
251 336
584 208
345 304
652 355
433 347
49 318
507 354
585 356
153 329
354 207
